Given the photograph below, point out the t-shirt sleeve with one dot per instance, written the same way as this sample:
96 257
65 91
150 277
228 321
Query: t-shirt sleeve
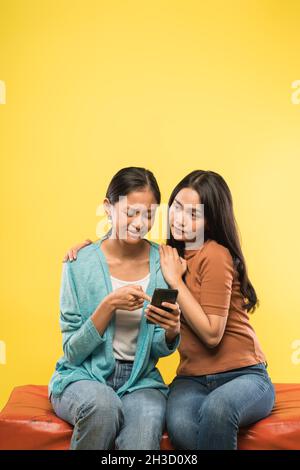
216 277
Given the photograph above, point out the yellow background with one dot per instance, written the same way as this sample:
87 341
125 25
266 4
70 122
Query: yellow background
173 86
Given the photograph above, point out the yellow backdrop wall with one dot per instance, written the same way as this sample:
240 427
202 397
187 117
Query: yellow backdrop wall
90 87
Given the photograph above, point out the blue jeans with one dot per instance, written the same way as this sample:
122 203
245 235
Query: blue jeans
103 420
205 412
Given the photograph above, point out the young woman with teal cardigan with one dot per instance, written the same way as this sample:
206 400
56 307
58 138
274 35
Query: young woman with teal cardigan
107 386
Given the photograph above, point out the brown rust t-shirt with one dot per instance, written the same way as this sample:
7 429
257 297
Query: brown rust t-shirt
213 280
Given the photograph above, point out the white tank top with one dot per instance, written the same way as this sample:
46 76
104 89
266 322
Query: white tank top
127 323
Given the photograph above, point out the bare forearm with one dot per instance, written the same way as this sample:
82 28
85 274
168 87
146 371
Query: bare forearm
103 314
194 314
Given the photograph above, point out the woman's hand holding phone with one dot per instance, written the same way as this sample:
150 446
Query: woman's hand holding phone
169 320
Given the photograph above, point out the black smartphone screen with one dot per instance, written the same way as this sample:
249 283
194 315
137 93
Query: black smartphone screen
163 295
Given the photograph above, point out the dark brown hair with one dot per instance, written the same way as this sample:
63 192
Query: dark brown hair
220 223
130 179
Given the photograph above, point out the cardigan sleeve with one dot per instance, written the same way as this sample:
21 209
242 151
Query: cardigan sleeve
80 337
160 347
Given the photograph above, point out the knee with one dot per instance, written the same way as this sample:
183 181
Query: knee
217 414
181 427
102 402
178 415
152 410
175 419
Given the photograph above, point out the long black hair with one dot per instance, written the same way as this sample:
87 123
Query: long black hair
132 178
220 224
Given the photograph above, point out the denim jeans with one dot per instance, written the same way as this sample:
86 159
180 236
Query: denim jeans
205 412
103 420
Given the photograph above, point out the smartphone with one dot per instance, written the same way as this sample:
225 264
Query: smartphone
163 295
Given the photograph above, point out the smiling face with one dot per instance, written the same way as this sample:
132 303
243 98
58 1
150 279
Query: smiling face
186 217
133 216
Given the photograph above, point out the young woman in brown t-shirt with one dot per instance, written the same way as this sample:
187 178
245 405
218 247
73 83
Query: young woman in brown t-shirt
222 382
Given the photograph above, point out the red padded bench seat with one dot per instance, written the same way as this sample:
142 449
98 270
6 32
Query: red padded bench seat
29 422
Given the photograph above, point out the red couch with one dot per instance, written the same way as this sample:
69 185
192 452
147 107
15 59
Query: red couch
28 422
